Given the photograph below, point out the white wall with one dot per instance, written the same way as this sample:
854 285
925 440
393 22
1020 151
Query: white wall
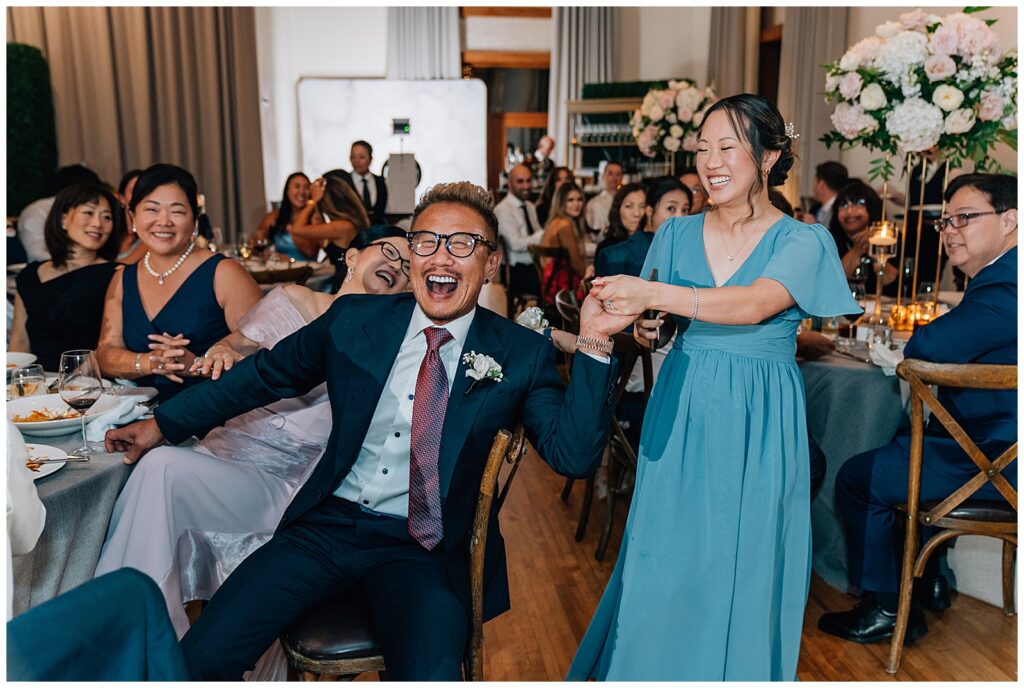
663 43
292 43
863 21
531 34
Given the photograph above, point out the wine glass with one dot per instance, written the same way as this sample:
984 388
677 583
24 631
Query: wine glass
27 381
80 386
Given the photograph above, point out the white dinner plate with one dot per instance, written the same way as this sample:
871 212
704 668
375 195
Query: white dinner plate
43 451
16 359
15 268
53 402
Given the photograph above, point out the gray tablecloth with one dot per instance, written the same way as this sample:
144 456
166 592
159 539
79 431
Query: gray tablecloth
851 407
79 499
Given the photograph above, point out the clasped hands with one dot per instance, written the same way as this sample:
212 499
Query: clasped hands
170 357
622 300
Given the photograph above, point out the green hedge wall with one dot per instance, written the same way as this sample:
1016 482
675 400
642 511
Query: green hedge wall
31 128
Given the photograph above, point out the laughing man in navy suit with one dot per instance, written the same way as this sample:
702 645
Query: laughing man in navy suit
980 236
390 505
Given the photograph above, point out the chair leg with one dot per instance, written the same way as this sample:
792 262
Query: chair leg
906 591
588 497
1009 555
615 475
567 489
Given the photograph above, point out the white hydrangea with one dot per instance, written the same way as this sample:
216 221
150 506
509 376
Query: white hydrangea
888 29
901 54
916 124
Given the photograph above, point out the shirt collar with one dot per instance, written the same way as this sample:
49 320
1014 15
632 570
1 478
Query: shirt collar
827 205
367 176
458 328
997 257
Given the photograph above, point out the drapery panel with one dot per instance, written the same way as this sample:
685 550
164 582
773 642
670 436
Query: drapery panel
138 85
424 43
732 58
582 52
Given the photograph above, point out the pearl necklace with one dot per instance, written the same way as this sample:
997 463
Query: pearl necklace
161 276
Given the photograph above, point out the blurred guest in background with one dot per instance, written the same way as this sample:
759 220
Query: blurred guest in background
691 180
666 197
856 207
519 228
559 176
829 178
370 188
627 215
32 220
275 226
174 304
564 230
540 161
59 304
333 198
131 249
599 206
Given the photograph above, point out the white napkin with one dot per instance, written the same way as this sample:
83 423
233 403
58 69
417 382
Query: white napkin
885 358
126 410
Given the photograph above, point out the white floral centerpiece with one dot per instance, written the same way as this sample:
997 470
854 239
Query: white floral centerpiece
925 82
668 118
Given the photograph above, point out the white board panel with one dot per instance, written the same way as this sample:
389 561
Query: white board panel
448 122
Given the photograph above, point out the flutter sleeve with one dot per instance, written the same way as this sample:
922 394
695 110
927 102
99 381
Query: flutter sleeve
272 319
807 264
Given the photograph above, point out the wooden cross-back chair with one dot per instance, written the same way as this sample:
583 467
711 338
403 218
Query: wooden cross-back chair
335 640
516 302
958 514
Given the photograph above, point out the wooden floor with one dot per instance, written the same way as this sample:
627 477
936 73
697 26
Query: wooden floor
556 583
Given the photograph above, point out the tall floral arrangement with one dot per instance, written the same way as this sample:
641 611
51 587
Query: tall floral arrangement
668 118
925 82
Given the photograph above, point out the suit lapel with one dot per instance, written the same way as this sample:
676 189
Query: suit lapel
462 410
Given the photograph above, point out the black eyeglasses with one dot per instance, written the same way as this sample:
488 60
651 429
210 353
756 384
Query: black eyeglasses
960 220
459 244
392 254
854 203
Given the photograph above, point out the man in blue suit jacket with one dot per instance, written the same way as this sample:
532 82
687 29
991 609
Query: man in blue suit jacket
980 236
375 513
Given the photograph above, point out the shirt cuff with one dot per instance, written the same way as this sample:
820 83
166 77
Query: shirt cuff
606 359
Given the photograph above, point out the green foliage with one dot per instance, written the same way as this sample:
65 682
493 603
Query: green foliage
31 128
973 10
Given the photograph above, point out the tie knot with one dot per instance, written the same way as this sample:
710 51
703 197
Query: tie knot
437 337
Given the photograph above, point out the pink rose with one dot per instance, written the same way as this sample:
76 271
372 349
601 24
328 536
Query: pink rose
917 20
991 107
939 67
850 85
666 99
685 114
851 120
690 142
944 41
959 121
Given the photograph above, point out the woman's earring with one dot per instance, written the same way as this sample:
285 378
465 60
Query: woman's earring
134 231
195 232
350 275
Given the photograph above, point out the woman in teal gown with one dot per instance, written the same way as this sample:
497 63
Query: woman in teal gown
714 567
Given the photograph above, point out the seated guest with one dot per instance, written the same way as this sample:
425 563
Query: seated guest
980 236
857 206
131 249
32 220
390 508
370 188
519 228
276 225
564 230
829 177
227 494
331 197
691 180
628 215
559 176
59 303
174 304
540 161
598 207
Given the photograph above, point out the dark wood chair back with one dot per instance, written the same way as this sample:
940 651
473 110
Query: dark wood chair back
958 514
336 639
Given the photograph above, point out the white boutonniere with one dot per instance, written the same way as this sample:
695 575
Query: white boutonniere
532 318
481 367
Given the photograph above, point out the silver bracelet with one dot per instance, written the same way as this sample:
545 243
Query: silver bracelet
696 304
138 364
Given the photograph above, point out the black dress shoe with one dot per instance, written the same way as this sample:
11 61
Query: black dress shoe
867 623
933 593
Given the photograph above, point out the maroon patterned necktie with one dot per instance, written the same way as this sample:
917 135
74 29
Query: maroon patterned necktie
428 409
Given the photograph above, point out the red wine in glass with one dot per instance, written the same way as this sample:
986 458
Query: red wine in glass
80 386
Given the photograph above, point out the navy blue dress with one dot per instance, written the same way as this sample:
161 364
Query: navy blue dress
193 312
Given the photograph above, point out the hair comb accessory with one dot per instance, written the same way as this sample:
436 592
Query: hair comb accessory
791 131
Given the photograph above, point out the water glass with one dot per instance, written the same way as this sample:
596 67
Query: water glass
27 381
881 336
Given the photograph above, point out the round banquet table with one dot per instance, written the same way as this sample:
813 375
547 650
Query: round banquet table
851 407
79 499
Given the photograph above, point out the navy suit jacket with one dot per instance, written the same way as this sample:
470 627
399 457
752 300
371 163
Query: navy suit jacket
376 213
624 258
353 347
982 329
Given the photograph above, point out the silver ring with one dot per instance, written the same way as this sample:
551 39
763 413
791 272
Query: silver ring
160 365
609 305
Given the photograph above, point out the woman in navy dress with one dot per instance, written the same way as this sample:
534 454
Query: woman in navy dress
714 566
176 302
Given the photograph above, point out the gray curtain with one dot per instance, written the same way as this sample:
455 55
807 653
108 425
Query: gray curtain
424 43
138 85
732 62
811 36
582 52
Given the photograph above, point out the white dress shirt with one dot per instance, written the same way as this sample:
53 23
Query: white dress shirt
597 210
371 184
824 214
31 229
379 479
512 226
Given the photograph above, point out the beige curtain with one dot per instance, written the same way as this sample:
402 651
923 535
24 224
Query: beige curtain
582 52
424 43
735 38
811 36
138 85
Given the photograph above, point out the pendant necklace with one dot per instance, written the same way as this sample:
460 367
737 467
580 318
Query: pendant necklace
161 276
